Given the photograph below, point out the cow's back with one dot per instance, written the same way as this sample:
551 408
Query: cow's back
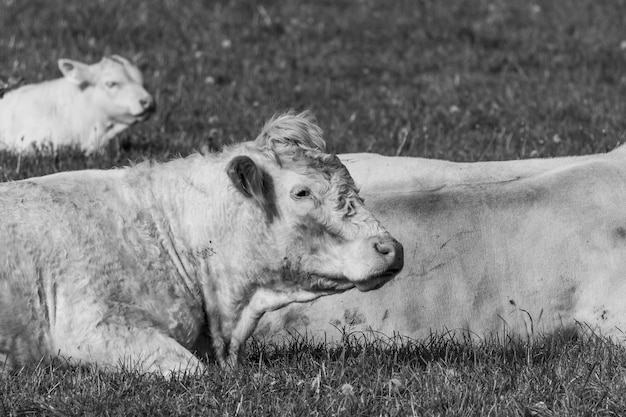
378 173
36 113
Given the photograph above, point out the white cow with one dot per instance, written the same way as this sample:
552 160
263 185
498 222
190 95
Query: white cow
85 108
148 264
518 248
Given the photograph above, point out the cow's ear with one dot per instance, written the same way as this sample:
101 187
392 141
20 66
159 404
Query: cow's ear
250 180
75 72
121 60
246 176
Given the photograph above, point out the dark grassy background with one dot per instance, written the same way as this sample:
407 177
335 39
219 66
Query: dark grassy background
463 80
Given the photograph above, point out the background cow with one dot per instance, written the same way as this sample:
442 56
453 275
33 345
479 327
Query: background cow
377 173
137 265
85 108
517 248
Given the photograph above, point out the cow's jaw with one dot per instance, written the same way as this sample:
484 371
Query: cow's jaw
374 283
326 285
143 116
131 119
338 285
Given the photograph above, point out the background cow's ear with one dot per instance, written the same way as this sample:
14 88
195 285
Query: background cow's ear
75 72
121 60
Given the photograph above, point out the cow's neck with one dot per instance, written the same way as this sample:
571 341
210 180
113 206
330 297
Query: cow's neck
235 279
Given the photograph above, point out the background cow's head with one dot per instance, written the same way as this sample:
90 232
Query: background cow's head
327 240
116 86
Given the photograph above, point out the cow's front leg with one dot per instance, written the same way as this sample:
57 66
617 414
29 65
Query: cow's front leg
237 347
262 300
233 348
116 347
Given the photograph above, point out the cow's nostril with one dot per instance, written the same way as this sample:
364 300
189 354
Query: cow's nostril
382 248
392 251
146 103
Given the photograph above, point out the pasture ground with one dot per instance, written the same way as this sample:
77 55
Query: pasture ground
463 80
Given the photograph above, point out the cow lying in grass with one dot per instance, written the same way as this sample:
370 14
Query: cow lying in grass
85 108
517 248
135 265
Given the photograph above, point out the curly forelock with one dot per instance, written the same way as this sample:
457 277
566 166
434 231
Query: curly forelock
296 140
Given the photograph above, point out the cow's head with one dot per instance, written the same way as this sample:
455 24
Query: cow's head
116 86
327 240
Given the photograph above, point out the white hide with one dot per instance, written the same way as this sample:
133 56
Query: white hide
85 108
516 248
148 265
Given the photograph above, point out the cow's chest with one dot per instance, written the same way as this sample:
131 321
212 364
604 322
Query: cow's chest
121 268
171 305
156 304
142 283
184 322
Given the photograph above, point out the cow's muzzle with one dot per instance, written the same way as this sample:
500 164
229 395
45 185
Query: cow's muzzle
391 251
148 108
392 254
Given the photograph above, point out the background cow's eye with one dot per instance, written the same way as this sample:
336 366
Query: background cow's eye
302 193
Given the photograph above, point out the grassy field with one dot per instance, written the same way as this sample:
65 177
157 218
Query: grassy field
461 80
435 377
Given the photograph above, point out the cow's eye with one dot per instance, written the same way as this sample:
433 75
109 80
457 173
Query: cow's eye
301 193
111 84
